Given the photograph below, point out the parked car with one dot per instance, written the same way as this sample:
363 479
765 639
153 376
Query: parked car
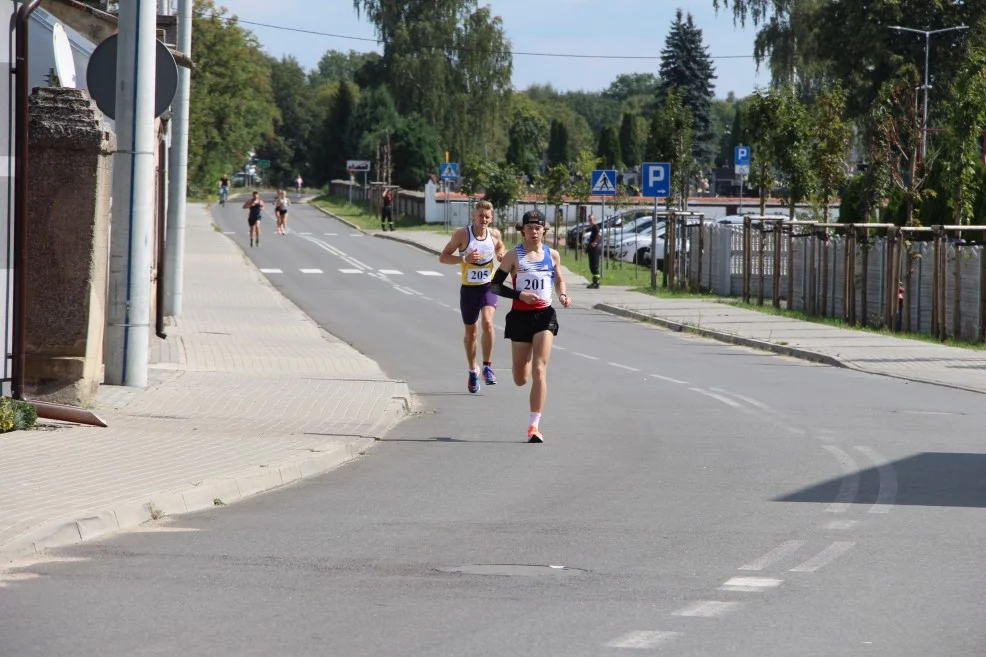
575 237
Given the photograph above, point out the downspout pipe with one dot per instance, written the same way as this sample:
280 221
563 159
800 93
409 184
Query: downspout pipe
22 92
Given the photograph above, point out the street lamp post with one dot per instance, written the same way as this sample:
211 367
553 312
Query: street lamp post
927 49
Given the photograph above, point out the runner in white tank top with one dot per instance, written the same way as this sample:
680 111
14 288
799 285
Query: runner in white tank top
531 324
480 249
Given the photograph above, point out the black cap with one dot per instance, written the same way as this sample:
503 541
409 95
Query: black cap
533 217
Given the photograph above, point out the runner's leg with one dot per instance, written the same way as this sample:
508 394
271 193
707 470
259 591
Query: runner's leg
521 352
541 348
488 313
470 343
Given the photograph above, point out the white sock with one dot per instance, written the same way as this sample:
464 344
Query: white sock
535 418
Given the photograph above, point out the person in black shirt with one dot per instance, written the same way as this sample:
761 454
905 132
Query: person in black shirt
387 210
593 251
256 207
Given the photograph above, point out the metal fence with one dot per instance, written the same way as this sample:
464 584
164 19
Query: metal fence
925 280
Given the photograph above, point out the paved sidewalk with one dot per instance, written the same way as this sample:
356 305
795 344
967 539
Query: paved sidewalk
886 355
247 394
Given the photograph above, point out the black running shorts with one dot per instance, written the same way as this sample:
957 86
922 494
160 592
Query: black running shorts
523 325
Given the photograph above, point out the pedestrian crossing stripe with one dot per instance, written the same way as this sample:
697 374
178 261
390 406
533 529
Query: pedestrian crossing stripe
604 184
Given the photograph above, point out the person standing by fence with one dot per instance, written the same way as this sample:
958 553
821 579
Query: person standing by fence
387 210
593 250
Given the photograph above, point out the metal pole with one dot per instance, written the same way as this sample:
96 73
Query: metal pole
653 249
602 260
174 271
742 178
924 121
133 191
19 324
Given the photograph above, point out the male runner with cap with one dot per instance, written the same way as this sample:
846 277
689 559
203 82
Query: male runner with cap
531 323
478 245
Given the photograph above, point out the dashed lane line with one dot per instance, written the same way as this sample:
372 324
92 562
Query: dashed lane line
751 584
625 367
724 400
707 609
430 273
643 639
581 355
390 272
351 271
775 555
669 379
312 271
825 557
271 271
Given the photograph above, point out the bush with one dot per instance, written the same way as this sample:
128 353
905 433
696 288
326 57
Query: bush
16 415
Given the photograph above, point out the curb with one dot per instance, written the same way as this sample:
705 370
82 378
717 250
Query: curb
783 350
338 218
102 523
404 240
793 352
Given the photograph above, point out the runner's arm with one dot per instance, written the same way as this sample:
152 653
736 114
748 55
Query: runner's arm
560 286
499 248
507 266
455 244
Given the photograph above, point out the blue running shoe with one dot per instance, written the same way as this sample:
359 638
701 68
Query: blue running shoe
489 376
473 382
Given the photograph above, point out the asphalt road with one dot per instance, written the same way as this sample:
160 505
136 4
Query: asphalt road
692 498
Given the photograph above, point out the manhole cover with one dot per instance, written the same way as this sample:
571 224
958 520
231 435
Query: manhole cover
514 570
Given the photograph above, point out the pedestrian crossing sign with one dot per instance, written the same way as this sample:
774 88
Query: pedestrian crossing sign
604 182
449 171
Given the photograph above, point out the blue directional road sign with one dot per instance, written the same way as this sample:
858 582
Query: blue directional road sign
742 161
449 171
604 182
656 179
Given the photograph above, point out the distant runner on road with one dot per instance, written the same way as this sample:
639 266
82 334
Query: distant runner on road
479 246
256 207
531 324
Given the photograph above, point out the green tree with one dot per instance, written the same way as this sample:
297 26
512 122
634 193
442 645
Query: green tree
374 121
337 66
687 69
831 138
760 119
290 151
416 152
224 123
503 188
558 148
631 147
964 125
447 60
556 182
608 149
793 147
671 141
528 138
902 126
333 142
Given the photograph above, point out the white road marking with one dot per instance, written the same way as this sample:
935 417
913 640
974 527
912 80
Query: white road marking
554 346
642 639
430 273
751 584
669 379
841 524
443 304
390 272
887 495
581 355
825 557
778 553
625 367
312 271
229 232
328 234
849 487
351 271
271 271
426 298
401 290
358 263
356 235
413 291
304 233
724 400
771 414
707 609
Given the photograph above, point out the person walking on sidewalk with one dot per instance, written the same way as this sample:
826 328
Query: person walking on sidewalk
532 323
592 249
387 210
281 204
256 207
479 247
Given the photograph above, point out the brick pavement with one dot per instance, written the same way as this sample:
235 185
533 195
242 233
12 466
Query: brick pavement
886 355
246 394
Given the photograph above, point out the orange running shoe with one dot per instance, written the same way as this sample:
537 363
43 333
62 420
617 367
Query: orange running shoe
534 435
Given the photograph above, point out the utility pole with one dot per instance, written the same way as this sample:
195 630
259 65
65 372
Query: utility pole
178 172
127 327
927 61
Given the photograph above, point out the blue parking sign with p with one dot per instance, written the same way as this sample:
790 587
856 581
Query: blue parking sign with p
656 179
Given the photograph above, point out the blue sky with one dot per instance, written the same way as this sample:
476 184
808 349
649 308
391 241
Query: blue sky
592 27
